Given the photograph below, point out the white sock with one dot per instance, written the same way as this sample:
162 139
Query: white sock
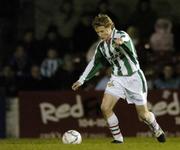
114 127
151 121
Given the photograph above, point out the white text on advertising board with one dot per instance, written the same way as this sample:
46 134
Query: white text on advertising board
49 112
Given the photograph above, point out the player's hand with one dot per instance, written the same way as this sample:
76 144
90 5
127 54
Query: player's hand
118 41
76 85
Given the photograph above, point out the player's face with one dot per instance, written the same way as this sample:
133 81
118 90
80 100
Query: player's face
104 32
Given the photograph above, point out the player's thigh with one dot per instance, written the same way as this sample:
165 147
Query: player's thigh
108 102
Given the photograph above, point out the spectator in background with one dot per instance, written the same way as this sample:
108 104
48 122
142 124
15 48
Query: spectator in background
29 42
167 79
66 19
83 33
162 40
67 73
20 61
9 81
143 18
35 81
51 63
51 39
176 58
134 33
31 45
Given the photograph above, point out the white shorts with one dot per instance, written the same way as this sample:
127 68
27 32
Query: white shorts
132 88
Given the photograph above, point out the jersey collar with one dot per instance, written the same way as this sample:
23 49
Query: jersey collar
113 33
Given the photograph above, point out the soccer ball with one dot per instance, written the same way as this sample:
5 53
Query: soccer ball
71 137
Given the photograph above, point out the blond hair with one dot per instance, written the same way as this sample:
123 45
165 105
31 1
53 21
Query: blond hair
102 20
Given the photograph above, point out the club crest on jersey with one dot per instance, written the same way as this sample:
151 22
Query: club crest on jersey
110 84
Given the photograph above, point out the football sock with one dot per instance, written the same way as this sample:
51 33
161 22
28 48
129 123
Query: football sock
114 127
151 122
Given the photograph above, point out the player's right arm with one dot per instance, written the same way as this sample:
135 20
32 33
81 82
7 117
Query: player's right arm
97 62
91 69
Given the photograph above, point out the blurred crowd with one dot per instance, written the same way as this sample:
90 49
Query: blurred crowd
58 59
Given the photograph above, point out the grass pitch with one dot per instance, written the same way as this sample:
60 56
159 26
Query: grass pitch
90 144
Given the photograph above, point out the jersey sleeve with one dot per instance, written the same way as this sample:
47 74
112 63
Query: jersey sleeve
98 61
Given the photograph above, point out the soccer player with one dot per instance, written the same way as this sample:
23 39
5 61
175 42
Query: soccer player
127 79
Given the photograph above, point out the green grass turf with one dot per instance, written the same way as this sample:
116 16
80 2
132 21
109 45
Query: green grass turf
90 144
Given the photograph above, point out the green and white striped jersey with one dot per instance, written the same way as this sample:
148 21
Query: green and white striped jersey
122 59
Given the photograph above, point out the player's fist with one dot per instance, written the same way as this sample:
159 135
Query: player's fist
118 41
76 85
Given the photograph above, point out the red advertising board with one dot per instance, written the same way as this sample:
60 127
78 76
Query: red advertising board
50 114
